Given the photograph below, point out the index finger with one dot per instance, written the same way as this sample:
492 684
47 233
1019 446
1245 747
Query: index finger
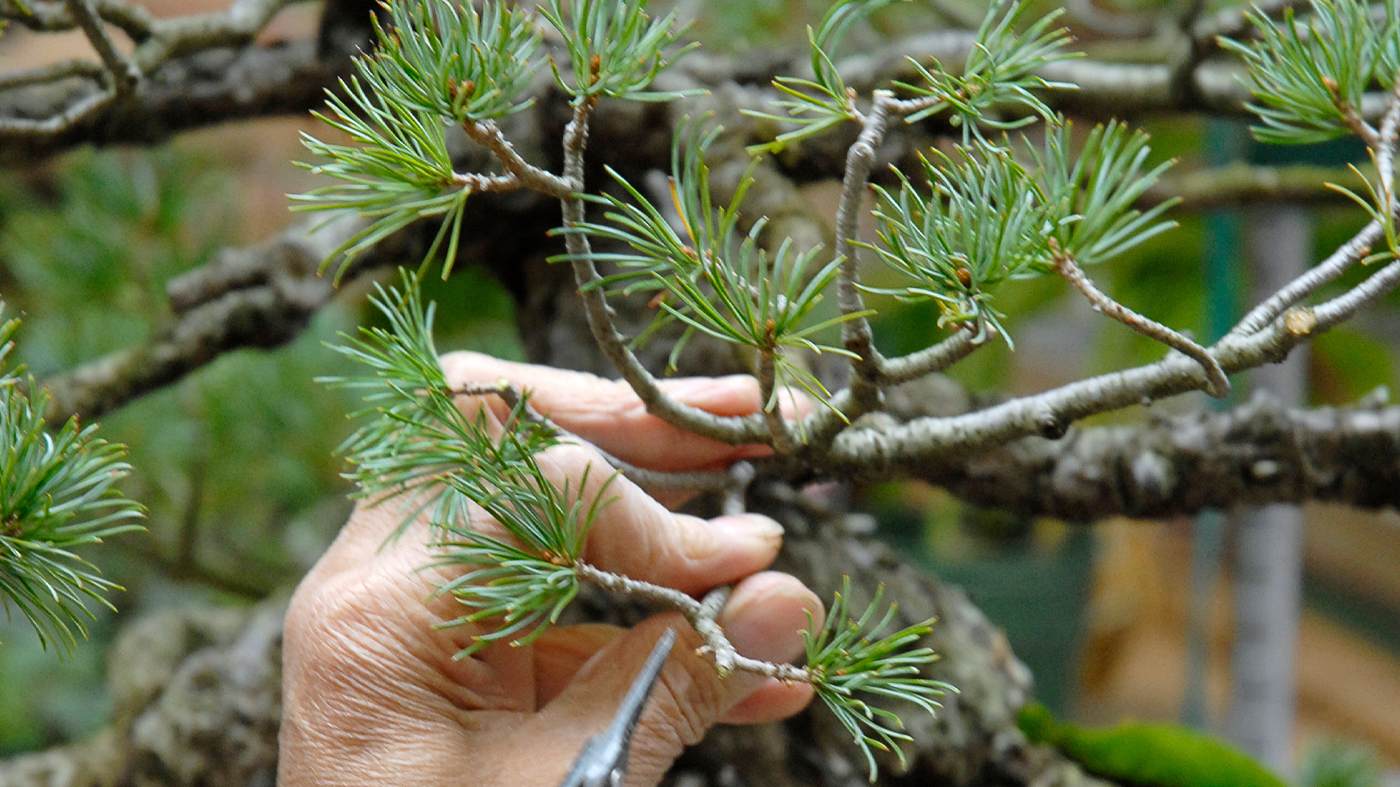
609 414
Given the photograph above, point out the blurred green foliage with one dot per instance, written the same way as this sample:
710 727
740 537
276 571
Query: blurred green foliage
1335 763
236 462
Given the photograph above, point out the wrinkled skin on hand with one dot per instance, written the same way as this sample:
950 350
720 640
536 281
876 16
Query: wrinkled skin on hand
373 696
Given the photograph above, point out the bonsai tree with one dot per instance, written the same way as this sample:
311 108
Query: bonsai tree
444 112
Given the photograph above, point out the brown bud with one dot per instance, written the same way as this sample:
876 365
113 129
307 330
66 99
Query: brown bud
456 89
964 276
595 67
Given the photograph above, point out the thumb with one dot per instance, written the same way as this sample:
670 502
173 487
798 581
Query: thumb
690 697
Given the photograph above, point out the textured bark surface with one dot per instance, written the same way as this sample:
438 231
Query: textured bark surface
196 697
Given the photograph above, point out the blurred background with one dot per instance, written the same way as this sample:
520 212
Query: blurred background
1119 619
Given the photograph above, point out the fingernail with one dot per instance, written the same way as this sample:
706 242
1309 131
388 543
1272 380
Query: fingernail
749 527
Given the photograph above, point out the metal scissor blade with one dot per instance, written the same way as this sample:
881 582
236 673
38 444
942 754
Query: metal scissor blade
603 761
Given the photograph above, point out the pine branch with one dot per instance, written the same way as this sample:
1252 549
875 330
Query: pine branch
57 495
1258 453
1218 385
844 658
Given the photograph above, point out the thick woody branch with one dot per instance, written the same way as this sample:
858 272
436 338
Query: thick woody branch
1255 454
48 16
1234 22
156 39
210 76
64 113
203 89
264 295
1241 184
260 296
882 452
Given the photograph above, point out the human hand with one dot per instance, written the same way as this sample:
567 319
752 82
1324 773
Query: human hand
372 694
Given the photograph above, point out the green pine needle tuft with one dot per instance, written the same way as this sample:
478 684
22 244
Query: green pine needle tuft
989 218
527 582
1308 75
57 494
416 439
616 49
846 659
713 278
815 105
435 64
999 72
421 452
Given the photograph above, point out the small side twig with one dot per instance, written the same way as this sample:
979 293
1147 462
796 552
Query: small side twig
706 623
66 69
125 74
741 474
618 583
1345 306
1352 115
478 183
70 117
703 616
935 358
1217 383
1385 153
856 334
860 159
524 174
823 425
1349 253
1323 273
778 429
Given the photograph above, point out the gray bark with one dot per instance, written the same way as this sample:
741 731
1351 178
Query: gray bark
196 701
